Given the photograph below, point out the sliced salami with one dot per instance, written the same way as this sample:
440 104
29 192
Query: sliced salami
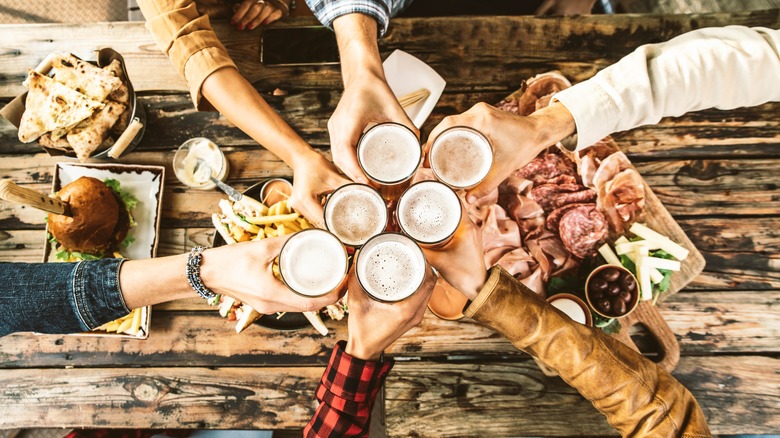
555 216
582 230
547 166
585 195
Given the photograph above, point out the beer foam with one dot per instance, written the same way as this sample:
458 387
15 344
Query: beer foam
391 267
461 157
313 262
389 153
429 212
355 213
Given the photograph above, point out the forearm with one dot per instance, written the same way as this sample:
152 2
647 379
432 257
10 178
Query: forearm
637 397
153 281
327 11
357 39
233 96
723 68
59 297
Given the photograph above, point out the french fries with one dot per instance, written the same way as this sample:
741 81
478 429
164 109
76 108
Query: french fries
246 220
129 324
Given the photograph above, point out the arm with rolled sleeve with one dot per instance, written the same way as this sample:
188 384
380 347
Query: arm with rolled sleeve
60 297
381 10
722 68
186 36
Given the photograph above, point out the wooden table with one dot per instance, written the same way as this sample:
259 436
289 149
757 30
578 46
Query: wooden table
716 171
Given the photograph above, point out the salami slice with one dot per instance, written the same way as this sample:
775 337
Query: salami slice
546 166
555 216
552 196
582 230
582 196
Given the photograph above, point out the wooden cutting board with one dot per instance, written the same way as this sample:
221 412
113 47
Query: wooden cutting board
646 315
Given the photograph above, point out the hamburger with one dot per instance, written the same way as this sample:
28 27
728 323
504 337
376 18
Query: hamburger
99 219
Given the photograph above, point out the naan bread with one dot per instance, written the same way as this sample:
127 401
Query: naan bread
95 82
51 106
121 94
48 142
89 134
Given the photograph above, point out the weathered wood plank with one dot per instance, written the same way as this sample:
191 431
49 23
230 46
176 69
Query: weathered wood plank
498 53
704 323
738 394
686 187
196 398
742 132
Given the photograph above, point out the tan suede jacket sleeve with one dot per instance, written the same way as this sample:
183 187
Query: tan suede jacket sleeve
187 38
637 397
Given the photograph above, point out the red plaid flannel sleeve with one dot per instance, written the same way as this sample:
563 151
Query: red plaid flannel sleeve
346 394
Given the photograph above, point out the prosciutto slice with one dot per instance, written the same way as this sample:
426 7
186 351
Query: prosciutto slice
622 200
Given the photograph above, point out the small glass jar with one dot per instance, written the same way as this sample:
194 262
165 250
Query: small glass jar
195 175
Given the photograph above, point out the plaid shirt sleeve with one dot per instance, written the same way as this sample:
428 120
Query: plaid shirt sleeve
346 394
328 10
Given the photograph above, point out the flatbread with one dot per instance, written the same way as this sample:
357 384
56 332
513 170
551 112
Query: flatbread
95 82
48 142
51 106
89 134
122 93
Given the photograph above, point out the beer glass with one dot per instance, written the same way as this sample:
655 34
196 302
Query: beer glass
389 154
429 212
313 263
354 213
461 157
390 267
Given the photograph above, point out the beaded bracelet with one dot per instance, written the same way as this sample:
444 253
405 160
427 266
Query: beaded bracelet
193 274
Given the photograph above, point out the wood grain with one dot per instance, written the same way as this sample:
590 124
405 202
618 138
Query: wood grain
515 399
578 46
705 323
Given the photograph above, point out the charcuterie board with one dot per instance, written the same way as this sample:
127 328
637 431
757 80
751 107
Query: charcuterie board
535 94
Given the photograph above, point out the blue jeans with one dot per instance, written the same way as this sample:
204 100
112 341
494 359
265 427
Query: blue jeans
59 297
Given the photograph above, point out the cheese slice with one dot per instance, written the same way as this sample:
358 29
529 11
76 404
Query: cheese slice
663 242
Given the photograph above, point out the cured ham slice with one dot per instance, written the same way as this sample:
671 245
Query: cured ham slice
499 232
518 263
589 159
539 87
609 167
582 230
622 200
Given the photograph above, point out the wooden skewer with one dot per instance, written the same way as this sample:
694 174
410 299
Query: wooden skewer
12 192
414 97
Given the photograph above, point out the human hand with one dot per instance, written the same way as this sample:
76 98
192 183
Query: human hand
565 7
373 325
249 14
244 271
367 100
313 178
460 261
516 140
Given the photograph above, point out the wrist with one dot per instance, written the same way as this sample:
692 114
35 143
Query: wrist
472 284
361 351
553 124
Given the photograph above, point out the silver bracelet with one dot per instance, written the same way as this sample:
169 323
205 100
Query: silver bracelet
193 274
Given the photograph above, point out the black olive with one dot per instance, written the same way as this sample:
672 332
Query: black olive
596 295
610 274
628 283
597 284
604 305
626 296
614 289
619 306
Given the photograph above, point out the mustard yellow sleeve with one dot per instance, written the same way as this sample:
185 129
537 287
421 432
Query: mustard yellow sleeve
638 398
187 38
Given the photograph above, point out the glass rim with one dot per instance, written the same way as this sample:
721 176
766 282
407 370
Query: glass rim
423 242
297 235
435 142
387 234
394 182
366 187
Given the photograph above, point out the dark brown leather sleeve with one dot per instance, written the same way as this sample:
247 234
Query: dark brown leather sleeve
637 397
